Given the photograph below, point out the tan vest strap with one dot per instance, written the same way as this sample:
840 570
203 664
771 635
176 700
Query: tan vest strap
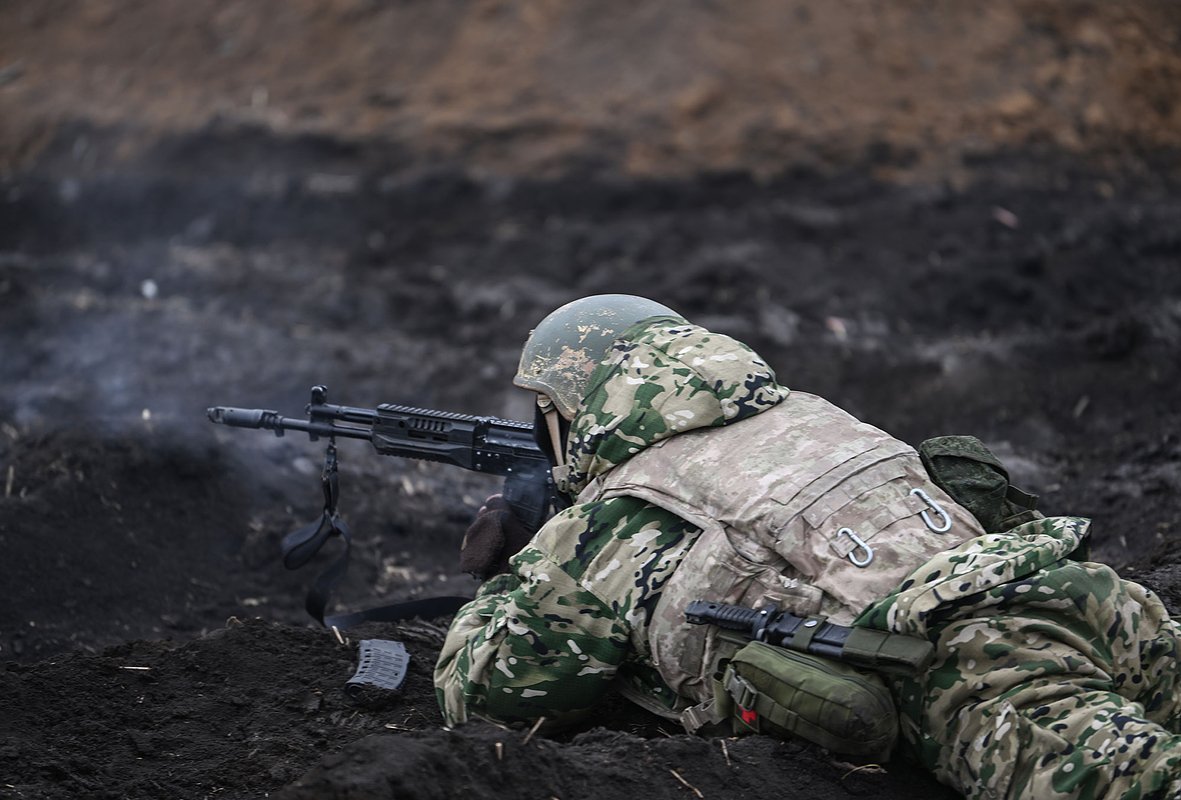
702 715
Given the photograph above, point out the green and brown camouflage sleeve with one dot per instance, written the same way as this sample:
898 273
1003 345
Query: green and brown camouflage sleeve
547 648
548 640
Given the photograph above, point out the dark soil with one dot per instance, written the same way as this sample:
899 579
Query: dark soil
159 258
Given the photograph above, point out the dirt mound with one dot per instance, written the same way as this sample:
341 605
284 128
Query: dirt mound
240 711
245 710
484 762
98 513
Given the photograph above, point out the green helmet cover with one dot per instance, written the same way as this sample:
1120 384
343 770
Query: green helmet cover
565 347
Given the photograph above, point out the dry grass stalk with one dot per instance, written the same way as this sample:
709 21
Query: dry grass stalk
533 730
686 783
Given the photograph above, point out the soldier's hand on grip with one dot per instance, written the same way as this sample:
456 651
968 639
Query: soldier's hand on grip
495 536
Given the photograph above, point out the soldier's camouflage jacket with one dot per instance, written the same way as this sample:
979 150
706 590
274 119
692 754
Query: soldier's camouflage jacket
595 600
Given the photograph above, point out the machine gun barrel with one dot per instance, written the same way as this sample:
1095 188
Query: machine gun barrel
271 420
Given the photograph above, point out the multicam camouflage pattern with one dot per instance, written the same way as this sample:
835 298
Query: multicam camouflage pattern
550 639
1053 678
659 379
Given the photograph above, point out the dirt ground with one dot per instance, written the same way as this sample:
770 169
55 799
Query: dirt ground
946 218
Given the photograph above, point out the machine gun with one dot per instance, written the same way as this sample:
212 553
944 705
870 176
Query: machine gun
482 444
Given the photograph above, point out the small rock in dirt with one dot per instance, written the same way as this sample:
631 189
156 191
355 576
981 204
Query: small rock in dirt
143 743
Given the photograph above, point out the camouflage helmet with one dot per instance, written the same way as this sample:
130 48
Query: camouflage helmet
565 347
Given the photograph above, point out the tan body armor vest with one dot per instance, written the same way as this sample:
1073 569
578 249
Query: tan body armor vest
802 505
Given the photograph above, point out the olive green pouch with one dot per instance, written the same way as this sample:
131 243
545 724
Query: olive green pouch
975 478
767 689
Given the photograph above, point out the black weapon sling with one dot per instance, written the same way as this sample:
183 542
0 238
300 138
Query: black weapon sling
300 546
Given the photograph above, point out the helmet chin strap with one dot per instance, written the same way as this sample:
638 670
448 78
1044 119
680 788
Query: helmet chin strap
550 412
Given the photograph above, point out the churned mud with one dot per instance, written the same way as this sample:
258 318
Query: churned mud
226 204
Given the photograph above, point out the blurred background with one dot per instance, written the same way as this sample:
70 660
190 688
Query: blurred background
639 88
944 217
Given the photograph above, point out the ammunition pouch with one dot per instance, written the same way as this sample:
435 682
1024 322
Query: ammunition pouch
766 689
968 471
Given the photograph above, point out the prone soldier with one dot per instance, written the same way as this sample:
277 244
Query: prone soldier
696 475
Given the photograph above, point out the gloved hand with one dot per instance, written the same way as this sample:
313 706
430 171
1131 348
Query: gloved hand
495 536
